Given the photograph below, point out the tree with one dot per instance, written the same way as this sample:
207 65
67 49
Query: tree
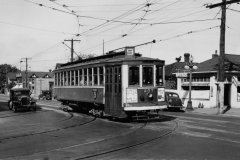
4 69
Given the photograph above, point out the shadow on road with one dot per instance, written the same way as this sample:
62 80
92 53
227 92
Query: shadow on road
3 106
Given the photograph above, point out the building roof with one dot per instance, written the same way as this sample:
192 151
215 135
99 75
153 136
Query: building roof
175 68
232 63
13 76
37 74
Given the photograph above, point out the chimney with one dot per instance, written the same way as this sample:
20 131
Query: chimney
186 57
215 55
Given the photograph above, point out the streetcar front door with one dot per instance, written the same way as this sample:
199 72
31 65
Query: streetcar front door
113 91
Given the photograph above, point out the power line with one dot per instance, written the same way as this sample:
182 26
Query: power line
233 10
33 28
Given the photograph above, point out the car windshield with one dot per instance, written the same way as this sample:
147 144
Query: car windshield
17 93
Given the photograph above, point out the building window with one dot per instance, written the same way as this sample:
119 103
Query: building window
196 88
147 75
134 75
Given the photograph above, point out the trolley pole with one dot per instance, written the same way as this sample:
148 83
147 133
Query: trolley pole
72 50
221 68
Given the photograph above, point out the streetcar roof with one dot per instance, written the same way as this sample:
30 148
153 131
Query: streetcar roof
110 58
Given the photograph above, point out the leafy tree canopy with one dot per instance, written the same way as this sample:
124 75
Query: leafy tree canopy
4 69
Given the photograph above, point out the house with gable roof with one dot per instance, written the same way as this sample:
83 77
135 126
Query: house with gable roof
205 85
37 81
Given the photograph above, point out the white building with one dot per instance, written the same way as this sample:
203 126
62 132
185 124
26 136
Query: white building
204 81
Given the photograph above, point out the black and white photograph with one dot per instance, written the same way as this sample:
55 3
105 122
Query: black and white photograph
119 80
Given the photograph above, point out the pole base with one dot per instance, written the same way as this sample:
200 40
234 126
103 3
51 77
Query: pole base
189 106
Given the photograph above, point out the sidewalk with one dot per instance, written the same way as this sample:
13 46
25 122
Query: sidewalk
234 112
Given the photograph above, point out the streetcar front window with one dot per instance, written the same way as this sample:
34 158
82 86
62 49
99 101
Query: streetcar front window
159 75
147 75
134 75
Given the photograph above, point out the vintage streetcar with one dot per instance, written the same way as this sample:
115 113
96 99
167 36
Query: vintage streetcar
118 84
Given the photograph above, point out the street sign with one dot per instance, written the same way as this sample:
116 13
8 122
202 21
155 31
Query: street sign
184 75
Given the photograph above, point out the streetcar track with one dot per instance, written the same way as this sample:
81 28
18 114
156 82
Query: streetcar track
100 140
168 132
20 114
48 131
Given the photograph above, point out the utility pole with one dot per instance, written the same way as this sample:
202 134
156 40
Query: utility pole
26 71
221 68
72 50
103 47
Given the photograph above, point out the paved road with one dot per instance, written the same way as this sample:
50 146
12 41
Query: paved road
53 134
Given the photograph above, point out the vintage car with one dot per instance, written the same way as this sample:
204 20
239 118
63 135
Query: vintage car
173 100
46 94
20 99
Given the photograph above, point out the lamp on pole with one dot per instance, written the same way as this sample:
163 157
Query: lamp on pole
190 66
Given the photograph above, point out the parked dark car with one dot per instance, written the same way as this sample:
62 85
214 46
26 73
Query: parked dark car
20 99
46 94
173 100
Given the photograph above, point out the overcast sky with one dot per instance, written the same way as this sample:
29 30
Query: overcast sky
36 29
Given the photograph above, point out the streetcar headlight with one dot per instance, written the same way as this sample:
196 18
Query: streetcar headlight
150 95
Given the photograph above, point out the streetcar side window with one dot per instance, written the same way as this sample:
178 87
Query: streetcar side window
81 81
72 78
133 75
85 76
68 78
65 78
147 75
55 77
62 80
95 76
89 76
159 75
101 75
59 76
76 77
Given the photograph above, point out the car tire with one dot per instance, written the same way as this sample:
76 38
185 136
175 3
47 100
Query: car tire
14 108
10 105
34 108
